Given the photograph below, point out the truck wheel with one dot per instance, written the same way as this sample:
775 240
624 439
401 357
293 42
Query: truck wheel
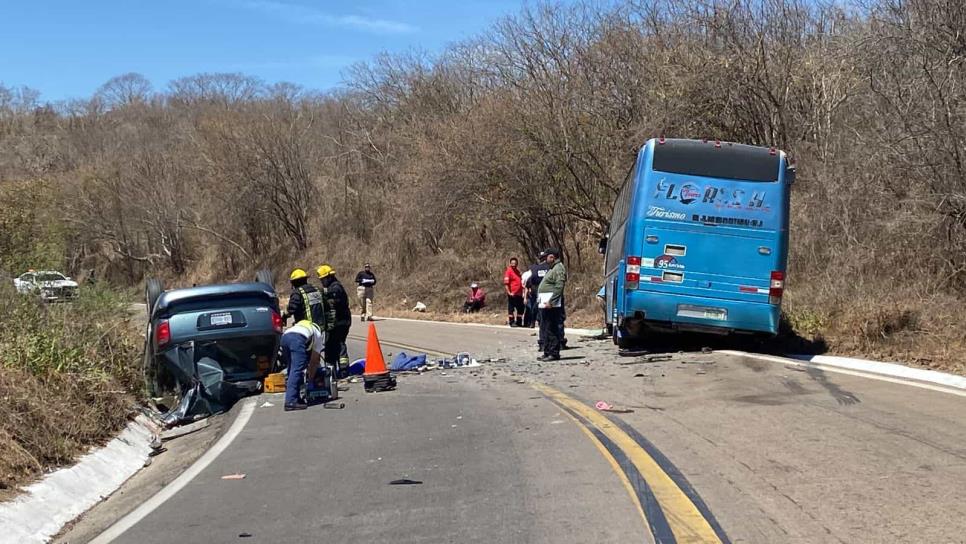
152 291
265 276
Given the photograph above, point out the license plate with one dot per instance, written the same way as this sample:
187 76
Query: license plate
221 319
702 312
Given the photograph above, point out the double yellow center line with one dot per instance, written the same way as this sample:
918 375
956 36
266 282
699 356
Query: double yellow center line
675 517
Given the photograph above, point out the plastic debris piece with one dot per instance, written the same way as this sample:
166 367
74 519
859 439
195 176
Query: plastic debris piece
244 535
405 481
601 405
267 404
233 477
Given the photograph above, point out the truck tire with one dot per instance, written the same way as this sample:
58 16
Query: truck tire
265 276
152 291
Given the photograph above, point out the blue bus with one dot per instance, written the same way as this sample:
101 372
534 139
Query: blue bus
698 240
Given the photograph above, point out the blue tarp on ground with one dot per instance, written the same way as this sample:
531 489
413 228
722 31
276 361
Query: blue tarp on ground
403 362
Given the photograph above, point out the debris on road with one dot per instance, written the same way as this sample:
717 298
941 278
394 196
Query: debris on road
233 477
460 360
706 350
177 432
405 481
245 535
404 362
605 407
266 404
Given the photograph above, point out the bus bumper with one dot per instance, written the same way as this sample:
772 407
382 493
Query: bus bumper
686 312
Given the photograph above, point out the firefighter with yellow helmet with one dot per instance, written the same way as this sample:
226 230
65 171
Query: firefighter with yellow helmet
338 318
306 301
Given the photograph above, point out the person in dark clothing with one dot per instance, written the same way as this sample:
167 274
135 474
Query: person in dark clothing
338 318
365 282
550 300
534 277
305 302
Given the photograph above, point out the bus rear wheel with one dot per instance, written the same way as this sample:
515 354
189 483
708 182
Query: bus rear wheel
629 334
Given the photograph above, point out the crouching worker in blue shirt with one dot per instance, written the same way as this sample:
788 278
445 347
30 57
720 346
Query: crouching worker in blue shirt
302 346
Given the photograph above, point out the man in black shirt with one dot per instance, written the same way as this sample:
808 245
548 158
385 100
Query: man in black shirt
365 281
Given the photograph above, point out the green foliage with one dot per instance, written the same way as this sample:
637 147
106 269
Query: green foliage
807 322
90 338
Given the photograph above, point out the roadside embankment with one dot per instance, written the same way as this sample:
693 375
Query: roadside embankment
69 380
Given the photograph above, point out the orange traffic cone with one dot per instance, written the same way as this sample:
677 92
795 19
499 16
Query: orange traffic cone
376 376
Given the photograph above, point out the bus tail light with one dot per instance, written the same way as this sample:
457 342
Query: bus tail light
777 287
632 275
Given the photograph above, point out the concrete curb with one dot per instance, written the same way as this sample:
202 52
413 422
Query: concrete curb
575 332
889 372
46 506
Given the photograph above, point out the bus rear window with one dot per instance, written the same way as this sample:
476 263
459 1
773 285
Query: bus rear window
730 161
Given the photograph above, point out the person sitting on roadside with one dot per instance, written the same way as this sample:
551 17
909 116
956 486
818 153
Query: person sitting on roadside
475 300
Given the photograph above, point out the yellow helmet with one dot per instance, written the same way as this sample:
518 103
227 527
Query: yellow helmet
325 270
297 274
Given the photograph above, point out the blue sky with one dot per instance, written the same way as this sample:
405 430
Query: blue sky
67 48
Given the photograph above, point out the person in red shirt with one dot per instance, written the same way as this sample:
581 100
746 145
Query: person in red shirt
513 283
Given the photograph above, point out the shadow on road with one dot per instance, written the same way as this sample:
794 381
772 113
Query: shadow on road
786 342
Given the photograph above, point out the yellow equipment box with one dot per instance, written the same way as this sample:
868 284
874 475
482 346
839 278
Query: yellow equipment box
275 383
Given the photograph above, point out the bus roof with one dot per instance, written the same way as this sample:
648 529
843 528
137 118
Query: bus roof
725 160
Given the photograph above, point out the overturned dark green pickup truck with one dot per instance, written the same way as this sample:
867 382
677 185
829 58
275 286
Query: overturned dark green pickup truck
208 346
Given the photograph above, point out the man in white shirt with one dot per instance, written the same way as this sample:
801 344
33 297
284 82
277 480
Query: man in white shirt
302 346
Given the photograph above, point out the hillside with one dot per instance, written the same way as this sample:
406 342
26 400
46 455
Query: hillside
438 168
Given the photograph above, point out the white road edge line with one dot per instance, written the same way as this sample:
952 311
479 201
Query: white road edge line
178 483
925 379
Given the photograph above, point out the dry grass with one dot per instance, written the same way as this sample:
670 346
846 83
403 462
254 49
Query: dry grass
70 378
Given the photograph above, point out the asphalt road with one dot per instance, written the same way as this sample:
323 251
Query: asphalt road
495 464
702 448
